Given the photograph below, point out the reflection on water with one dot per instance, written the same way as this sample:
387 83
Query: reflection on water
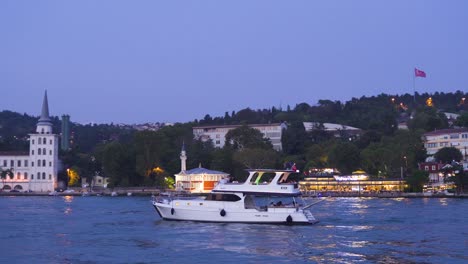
127 230
68 198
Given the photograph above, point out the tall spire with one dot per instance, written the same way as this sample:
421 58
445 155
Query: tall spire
45 110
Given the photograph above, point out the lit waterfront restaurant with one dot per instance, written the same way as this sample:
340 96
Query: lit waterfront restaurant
359 182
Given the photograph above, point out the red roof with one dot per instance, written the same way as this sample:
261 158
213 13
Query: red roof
446 131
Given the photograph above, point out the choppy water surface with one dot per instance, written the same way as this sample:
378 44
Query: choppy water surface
128 230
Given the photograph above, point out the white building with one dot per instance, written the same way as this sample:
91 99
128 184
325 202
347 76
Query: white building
336 130
457 138
36 170
218 133
198 180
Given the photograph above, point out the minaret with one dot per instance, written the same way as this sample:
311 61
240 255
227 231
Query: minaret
44 126
183 159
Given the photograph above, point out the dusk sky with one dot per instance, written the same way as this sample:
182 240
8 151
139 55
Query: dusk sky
175 61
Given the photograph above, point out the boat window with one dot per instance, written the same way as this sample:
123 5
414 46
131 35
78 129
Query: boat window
262 178
222 197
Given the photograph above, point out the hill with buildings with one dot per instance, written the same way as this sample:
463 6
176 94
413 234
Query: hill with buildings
377 134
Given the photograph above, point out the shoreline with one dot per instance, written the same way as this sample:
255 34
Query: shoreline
150 192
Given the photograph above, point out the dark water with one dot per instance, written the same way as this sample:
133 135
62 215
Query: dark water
128 230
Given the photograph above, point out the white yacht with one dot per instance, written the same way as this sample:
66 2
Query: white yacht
265 197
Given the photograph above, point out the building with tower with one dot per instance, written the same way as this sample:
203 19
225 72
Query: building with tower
198 180
37 169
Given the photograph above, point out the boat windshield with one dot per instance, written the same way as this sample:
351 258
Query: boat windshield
262 178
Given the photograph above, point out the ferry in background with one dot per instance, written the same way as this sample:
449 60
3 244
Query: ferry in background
267 196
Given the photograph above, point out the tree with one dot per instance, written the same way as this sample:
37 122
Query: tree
246 137
448 154
454 172
118 162
149 147
417 180
73 176
294 139
4 173
462 120
345 157
428 119
257 158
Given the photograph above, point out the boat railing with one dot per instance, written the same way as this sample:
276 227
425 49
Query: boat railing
167 197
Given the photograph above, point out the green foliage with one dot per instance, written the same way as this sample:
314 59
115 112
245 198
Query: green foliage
428 119
345 157
254 158
118 162
129 156
417 180
386 157
294 139
246 137
448 154
462 120
149 149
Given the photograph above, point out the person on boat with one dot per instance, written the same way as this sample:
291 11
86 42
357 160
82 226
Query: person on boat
293 167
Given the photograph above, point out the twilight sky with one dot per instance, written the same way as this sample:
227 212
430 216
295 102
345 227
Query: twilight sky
174 61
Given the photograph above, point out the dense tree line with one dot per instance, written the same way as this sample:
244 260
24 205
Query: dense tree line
132 158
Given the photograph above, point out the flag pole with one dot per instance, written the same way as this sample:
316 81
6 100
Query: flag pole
414 89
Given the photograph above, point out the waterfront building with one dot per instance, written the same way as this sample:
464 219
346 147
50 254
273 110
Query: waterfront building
336 130
37 169
327 181
197 180
434 170
217 134
436 140
97 181
437 178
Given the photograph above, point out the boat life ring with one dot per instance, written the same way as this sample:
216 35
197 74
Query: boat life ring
289 219
223 212
172 211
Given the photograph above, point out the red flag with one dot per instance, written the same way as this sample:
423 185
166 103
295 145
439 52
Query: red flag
419 73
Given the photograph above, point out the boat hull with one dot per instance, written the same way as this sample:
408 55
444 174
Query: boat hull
232 214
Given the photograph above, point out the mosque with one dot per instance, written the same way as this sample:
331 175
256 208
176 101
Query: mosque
197 180
37 169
